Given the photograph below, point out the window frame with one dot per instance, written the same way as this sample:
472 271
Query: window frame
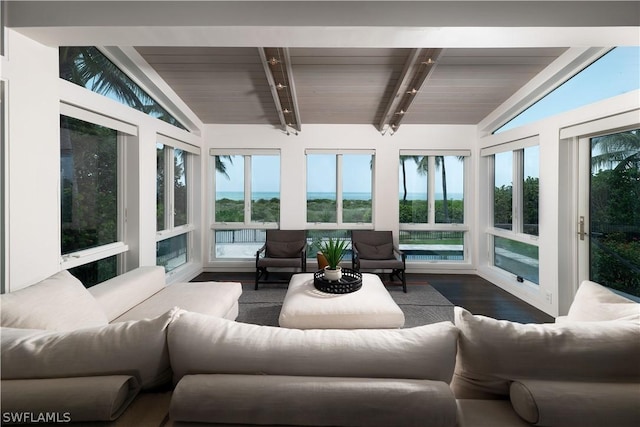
431 224
517 202
340 224
119 247
247 159
170 230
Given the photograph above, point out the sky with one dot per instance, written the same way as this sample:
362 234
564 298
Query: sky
615 73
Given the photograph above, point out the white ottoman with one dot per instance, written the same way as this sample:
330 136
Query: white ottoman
370 307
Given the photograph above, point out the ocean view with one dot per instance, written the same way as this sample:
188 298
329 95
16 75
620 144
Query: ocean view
239 195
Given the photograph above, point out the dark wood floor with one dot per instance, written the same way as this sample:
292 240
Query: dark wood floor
469 291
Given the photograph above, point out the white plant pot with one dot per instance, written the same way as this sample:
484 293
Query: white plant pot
333 275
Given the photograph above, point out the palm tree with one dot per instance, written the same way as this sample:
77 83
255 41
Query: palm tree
423 169
221 166
403 159
621 149
86 66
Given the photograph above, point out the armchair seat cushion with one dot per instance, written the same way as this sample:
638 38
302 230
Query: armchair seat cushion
383 263
279 262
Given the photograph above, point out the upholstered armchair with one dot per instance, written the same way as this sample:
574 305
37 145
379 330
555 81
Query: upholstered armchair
282 248
374 250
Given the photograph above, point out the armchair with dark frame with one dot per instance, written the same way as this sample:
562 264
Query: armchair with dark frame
282 248
374 250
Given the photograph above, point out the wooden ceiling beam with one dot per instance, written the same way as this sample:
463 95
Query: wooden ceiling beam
279 74
417 69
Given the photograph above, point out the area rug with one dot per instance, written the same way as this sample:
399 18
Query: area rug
421 305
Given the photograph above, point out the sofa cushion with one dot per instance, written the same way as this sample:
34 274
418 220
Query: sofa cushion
488 413
118 295
205 344
321 401
594 302
493 352
102 398
59 303
136 348
212 298
284 249
559 403
382 251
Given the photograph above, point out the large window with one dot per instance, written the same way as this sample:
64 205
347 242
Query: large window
339 195
246 202
173 216
86 66
612 74
431 205
90 199
339 188
515 168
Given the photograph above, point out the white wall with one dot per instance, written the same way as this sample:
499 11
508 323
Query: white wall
34 95
293 165
33 190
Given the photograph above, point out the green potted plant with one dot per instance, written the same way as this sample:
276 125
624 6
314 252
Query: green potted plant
333 251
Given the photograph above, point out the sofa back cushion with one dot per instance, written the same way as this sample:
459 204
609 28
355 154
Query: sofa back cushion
118 295
492 353
58 303
594 302
137 348
204 344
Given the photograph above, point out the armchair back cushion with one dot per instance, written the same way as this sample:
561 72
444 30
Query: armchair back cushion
382 251
285 243
59 303
373 244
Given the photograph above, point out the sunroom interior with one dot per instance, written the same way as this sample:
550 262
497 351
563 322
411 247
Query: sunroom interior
323 116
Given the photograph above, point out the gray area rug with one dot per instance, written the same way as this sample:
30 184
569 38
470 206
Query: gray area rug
421 305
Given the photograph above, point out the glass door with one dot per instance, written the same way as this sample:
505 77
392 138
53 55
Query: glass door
609 211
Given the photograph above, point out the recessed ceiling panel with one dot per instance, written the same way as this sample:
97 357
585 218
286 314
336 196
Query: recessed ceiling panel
220 85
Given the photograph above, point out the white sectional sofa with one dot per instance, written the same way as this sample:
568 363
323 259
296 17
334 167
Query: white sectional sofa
87 353
479 372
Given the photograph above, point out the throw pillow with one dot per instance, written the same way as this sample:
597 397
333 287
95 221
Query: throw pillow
585 404
137 348
284 249
383 251
59 303
492 353
205 344
594 302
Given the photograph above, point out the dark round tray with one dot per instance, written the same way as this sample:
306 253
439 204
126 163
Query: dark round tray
351 281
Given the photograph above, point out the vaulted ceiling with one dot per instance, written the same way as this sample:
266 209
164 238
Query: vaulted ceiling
348 61
346 85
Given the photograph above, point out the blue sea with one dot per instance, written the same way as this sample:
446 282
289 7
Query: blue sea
239 195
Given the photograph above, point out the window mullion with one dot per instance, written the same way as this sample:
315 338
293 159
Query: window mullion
247 189
431 190
169 187
339 188
518 182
